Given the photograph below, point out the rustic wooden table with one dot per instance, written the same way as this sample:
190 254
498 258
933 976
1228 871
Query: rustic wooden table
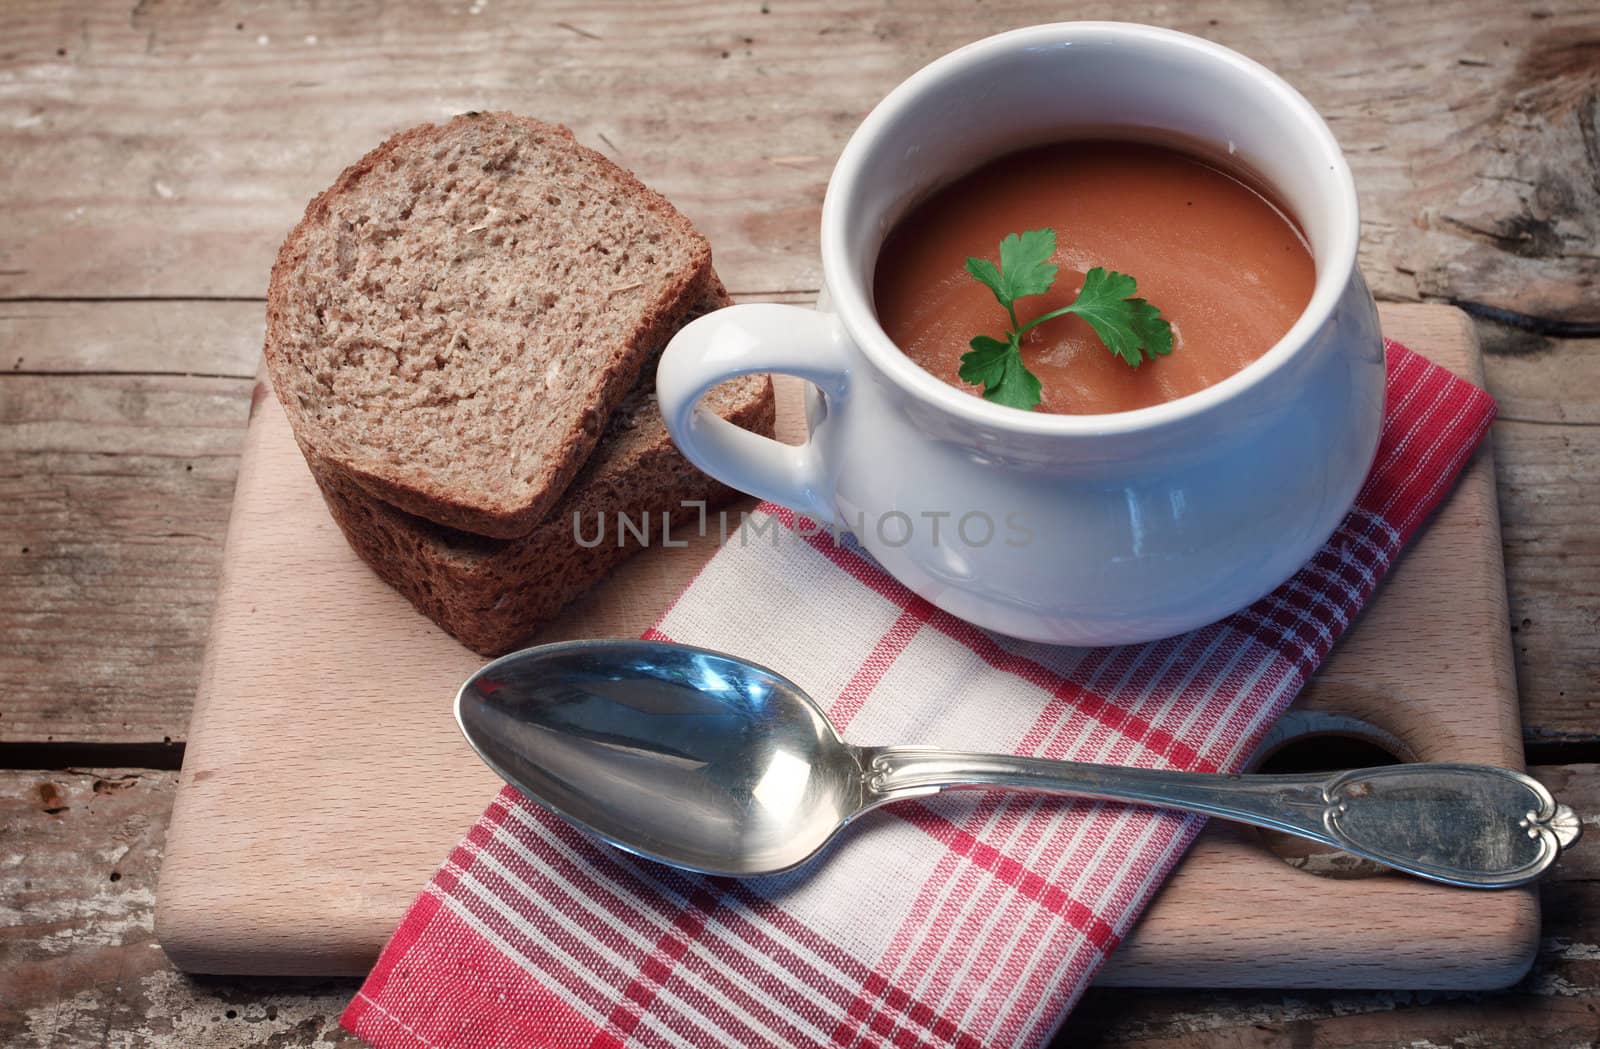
152 158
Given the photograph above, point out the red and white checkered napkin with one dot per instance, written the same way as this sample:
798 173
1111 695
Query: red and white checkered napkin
967 919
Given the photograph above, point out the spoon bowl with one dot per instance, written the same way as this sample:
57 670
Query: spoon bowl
700 760
678 754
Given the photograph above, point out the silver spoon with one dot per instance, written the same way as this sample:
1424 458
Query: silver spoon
703 761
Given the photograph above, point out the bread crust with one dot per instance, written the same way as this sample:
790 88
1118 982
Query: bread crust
493 595
413 489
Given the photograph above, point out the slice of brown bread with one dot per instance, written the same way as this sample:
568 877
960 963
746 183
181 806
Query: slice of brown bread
493 594
453 321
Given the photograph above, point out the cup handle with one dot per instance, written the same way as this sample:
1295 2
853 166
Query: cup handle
743 340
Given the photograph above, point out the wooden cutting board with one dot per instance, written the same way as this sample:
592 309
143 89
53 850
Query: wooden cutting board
325 780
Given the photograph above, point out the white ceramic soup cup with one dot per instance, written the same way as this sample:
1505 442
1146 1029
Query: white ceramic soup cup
1089 529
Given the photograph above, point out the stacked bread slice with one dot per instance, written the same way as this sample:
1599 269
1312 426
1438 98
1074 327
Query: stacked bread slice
462 331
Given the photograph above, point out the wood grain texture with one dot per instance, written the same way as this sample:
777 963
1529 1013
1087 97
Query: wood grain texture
119 445
67 433
1550 503
79 968
113 496
164 148
1547 445
1471 130
209 339
294 722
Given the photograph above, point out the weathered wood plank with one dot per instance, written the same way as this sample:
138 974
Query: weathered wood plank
193 338
1547 456
79 967
1471 127
114 496
1549 503
124 538
1539 380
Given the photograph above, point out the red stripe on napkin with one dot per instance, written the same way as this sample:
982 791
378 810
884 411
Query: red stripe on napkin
970 919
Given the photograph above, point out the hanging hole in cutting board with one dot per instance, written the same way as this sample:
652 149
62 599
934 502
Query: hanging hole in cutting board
1319 741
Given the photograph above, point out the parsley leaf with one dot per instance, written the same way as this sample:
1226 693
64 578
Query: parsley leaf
1131 328
1025 267
988 274
997 367
985 365
1155 334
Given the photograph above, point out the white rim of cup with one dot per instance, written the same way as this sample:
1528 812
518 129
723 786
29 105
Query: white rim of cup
854 306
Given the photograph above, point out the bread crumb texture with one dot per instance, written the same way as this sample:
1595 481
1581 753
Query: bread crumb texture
460 313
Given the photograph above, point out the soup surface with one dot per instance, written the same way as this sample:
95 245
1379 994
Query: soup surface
1225 265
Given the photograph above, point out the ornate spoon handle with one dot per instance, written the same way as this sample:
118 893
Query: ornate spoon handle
1471 825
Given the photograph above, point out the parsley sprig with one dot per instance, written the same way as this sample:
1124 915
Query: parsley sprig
1131 328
